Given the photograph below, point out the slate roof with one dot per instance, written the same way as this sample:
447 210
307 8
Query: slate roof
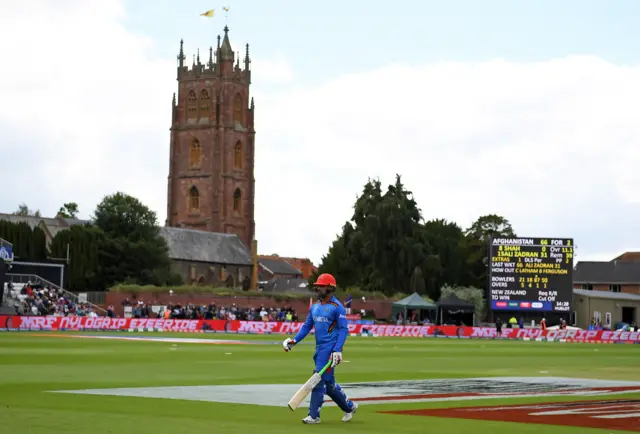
613 272
607 295
210 247
279 266
283 284
53 225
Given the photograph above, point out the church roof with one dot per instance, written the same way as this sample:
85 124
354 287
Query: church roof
279 266
52 225
201 246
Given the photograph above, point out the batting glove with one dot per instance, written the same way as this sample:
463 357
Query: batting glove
288 344
336 358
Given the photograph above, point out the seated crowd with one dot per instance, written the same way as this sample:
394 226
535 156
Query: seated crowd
36 299
209 312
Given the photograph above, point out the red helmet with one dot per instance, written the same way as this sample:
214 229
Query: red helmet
326 279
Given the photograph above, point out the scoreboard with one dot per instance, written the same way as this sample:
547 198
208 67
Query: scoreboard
531 274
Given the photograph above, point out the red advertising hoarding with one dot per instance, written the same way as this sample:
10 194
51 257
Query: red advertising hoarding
261 327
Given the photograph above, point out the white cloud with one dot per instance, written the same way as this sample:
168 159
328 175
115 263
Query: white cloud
553 145
85 111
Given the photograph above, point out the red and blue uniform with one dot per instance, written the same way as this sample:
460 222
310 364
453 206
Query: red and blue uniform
329 319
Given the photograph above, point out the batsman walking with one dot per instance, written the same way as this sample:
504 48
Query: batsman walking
330 321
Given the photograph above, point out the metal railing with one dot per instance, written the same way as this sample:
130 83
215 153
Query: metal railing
32 278
95 297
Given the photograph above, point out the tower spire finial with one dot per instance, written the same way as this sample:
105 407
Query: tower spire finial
181 57
226 52
198 56
210 64
247 59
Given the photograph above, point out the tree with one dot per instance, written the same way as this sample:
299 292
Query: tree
24 211
133 251
69 210
28 243
417 282
476 244
339 261
448 261
84 243
380 248
491 225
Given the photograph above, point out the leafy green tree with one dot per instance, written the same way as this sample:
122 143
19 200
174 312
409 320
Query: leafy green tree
28 243
477 246
386 246
418 282
69 210
448 260
84 244
133 251
491 225
339 260
24 211
380 248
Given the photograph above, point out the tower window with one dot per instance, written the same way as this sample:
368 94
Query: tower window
204 104
237 200
194 199
237 109
192 106
195 154
237 155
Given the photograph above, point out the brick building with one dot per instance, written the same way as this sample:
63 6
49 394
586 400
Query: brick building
304 265
211 170
274 268
621 274
208 258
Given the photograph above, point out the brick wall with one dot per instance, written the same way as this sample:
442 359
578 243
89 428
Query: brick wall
210 274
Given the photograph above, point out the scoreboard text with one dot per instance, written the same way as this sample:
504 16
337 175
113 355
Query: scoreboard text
531 274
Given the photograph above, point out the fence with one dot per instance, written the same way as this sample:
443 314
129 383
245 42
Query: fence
32 278
95 297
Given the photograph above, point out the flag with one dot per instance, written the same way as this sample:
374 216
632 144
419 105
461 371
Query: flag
208 13
225 8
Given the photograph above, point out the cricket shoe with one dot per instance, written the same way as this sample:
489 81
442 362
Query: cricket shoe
347 416
311 420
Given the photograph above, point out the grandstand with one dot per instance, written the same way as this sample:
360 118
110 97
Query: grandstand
17 301
30 294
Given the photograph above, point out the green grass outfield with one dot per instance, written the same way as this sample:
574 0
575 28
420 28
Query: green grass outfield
33 363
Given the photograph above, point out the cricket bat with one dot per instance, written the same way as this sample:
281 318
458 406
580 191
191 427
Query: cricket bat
306 388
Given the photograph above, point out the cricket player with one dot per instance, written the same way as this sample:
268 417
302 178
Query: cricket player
330 322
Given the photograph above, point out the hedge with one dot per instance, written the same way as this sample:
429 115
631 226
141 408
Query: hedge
226 292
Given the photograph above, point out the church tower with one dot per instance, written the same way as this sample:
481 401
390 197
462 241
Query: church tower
211 171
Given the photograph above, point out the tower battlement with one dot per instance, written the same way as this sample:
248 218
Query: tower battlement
222 62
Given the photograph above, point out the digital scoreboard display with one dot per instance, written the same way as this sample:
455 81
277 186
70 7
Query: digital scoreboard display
531 274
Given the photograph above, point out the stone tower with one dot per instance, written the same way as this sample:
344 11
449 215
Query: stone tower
211 170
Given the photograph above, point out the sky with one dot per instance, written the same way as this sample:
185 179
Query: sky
528 109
